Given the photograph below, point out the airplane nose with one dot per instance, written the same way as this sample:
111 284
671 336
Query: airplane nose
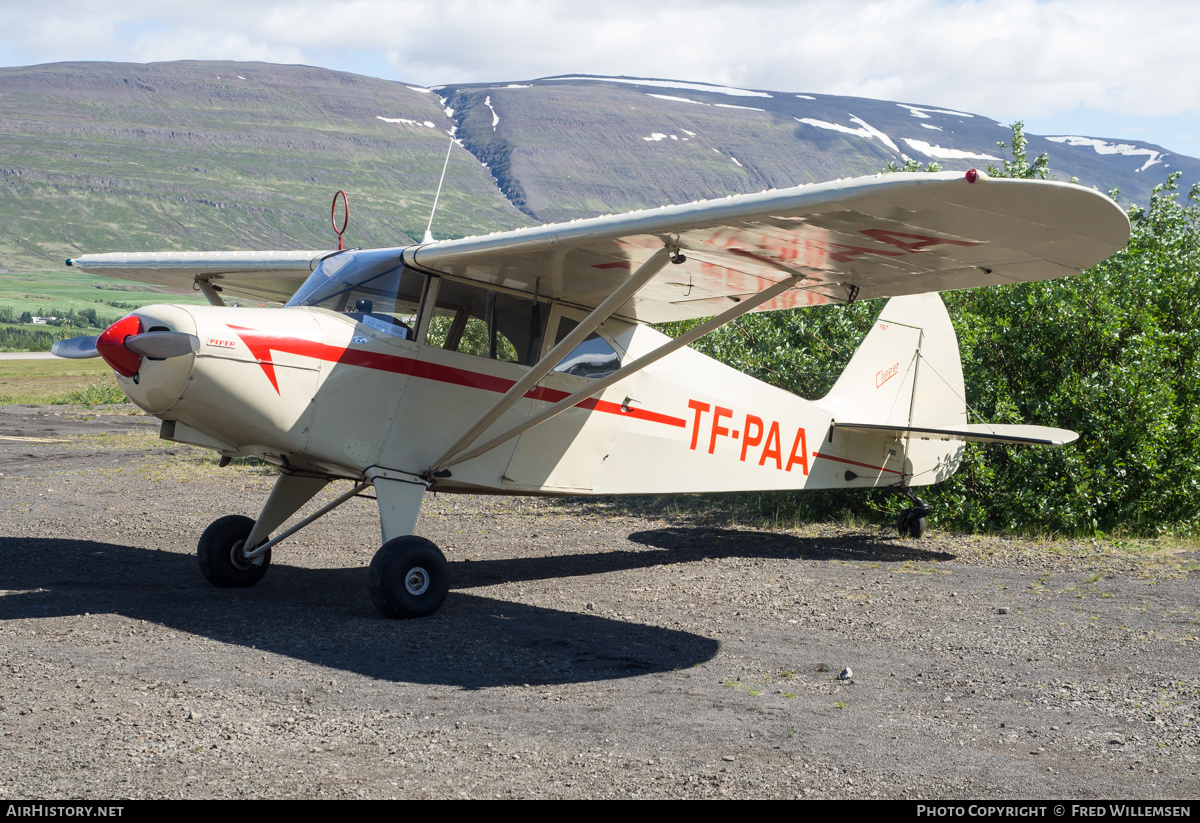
123 344
152 353
111 345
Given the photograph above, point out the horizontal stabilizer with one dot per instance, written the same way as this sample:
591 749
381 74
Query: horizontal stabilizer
974 432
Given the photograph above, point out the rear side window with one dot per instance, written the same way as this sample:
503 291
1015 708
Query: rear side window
594 357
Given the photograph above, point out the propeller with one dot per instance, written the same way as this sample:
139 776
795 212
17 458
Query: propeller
163 344
75 348
124 344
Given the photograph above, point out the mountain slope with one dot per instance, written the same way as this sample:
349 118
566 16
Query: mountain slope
212 155
566 147
104 156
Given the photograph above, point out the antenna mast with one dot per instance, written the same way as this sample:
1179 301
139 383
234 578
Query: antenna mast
429 228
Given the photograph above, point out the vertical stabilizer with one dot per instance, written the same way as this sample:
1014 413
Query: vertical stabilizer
907 372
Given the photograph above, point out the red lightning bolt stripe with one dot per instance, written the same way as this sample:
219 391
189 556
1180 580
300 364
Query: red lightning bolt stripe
261 344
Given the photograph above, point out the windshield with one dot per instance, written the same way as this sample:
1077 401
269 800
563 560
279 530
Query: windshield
372 287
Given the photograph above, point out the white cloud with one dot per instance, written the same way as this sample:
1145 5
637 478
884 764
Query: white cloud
1025 59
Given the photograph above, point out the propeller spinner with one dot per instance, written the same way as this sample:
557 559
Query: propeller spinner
123 344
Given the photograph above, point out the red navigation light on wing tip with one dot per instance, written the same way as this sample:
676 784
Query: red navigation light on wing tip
972 176
111 345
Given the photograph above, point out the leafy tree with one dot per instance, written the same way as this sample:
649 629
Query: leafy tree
1113 353
911 165
1020 166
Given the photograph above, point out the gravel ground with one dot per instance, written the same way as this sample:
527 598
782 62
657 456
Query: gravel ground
582 652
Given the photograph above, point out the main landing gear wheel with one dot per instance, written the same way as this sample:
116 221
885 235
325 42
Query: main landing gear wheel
222 554
911 523
409 577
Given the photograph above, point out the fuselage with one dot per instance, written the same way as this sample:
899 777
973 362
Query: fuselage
321 391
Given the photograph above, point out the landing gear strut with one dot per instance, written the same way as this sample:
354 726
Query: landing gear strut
409 576
911 522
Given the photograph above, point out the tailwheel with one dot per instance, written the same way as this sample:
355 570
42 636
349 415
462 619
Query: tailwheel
409 577
911 523
222 554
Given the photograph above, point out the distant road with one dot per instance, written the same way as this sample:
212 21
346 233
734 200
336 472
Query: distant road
25 355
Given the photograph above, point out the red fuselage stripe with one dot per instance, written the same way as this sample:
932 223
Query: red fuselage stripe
261 345
856 463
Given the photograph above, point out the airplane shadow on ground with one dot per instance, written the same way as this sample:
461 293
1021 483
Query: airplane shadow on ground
687 545
324 617
713 542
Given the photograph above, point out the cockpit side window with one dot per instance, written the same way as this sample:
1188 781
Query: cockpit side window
474 320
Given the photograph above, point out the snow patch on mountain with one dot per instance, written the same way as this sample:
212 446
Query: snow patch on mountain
923 113
676 99
1104 147
865 130
942 153
669 84
403 120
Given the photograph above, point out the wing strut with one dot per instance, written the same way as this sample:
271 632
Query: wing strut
620 374
611 304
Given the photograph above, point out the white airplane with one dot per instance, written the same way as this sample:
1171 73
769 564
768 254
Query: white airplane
521 362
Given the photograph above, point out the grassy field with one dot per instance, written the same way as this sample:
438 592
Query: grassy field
57 293
48 292
88 382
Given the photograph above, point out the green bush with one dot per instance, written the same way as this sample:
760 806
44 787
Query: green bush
94 394
1113 354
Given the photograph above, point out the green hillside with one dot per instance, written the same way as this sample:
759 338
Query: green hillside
101 157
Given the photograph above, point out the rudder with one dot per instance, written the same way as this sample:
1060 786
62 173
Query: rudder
906 372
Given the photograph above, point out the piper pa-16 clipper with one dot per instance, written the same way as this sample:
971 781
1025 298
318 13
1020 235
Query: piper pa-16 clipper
521 362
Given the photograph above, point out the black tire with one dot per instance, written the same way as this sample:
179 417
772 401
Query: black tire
220 552
911 523
409 577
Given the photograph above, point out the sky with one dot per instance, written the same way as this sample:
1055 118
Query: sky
1118 70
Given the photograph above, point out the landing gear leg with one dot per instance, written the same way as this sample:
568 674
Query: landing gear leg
409 576
911 522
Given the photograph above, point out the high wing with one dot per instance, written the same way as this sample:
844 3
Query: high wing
268 276
869 237
881 236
